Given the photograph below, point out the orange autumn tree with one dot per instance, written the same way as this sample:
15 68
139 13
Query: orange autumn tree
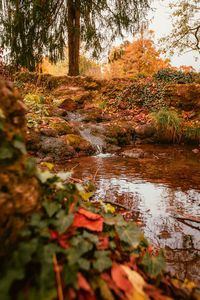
138 57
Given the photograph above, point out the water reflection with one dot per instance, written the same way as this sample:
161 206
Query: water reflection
154 190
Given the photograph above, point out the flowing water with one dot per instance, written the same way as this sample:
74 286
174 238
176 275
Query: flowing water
154 189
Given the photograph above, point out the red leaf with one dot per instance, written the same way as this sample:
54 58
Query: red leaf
103 243
112 286
120 278
64 244
82 283
54 234
89 220
70 294
89 214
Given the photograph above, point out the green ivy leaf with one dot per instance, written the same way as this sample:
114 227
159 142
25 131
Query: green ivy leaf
50 207
60 196
69 274
64 221
79 248
83 263
6 152
20 146
92 237
37 222
153 265
103 262
30 165
130 234
43 176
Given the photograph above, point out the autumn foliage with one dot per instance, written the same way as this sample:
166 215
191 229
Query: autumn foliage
137 58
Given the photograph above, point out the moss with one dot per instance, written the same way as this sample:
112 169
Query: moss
59 125
73 139
95 115
82 97
120 134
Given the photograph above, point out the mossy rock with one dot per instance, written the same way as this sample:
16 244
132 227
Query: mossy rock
61 126
78 143
83 97
119 134
93 116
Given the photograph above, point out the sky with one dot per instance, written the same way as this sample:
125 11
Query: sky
161 25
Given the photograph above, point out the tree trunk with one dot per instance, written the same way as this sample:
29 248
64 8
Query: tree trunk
73 36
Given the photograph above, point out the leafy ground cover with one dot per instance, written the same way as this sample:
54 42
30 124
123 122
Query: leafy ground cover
72 249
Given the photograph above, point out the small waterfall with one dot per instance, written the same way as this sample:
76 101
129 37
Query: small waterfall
96 141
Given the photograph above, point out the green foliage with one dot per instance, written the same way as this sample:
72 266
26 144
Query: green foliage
170 75
50 236
167 122
36 28
130 234
9 149
154 265
36 109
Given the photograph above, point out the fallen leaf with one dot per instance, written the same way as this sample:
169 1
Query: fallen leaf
120 278
89 220
103 243
83 284
137 283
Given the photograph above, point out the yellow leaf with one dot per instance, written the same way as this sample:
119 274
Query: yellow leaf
138 283
48 165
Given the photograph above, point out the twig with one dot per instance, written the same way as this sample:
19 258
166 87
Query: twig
94 177
75 166
58 278
76 180
186 219
116 204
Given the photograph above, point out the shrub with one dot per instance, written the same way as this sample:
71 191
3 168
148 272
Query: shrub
169 75
148 95
168 125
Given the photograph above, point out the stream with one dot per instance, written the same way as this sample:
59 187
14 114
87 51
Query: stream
154 189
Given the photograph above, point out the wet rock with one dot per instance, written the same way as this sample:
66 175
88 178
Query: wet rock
133 153
78 143
112 148
119 134
56 147
68 105
145 130
33 139
60 126
56 111
48 131
93 115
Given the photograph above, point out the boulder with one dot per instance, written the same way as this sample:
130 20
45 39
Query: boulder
56 147
133 153
78 143
59 125
144 130
68 104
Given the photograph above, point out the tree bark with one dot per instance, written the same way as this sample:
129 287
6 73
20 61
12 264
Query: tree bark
73 36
